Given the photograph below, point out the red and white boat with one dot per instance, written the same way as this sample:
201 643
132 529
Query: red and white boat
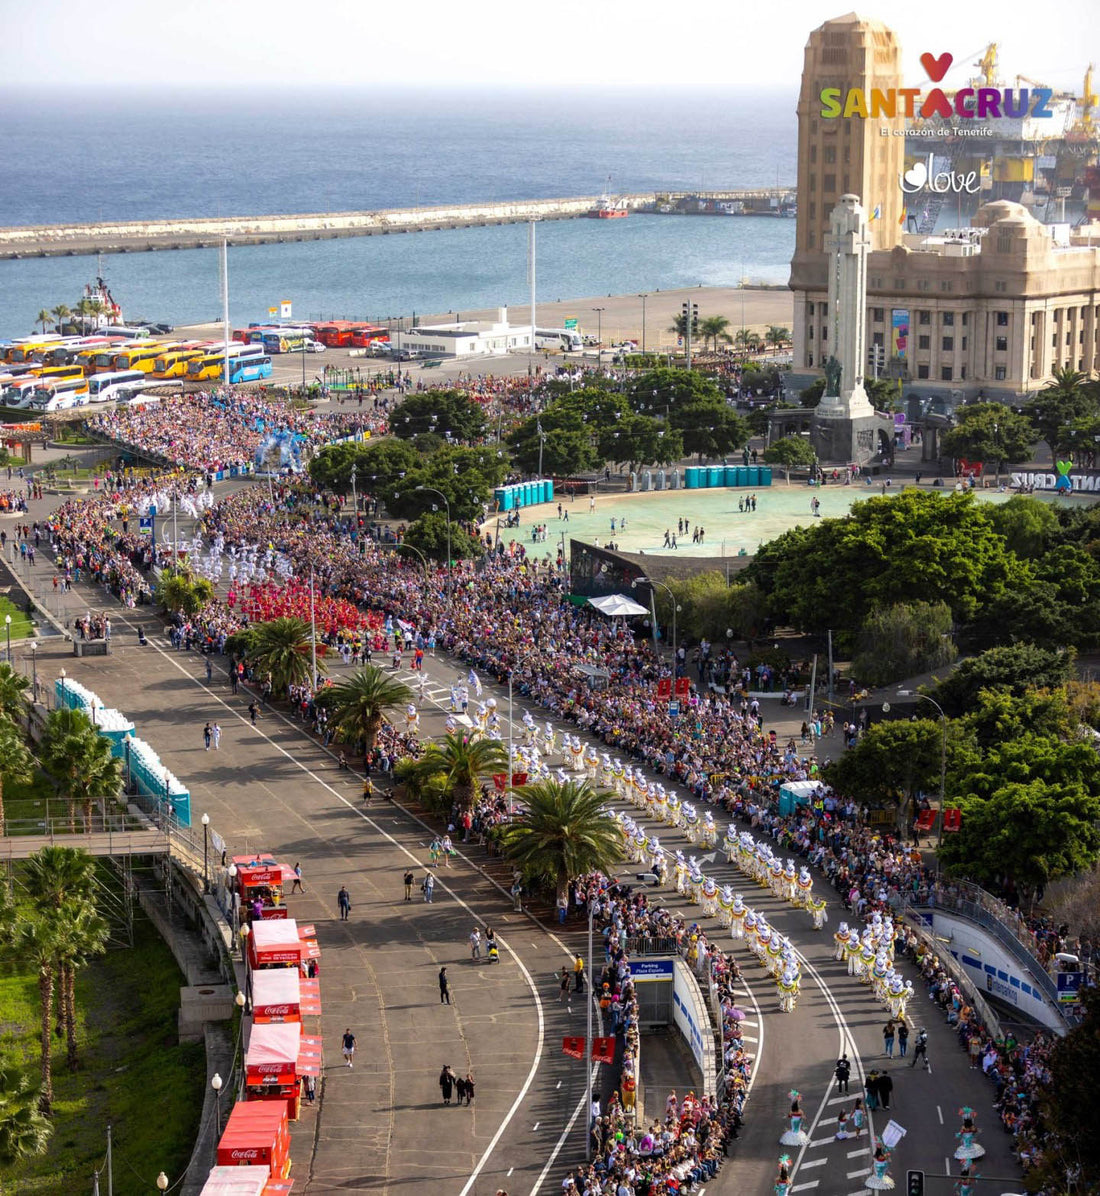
610 207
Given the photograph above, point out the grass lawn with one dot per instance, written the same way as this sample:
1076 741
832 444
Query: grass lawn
133 1073
21 626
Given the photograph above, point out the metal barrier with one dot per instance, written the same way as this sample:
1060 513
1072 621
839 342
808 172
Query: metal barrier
644 945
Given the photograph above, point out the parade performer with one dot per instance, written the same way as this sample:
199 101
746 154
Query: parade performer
696 894
725 906
851 952
817 911
738 915
865 962
775 876
774 952
790 882
710 897
968 1148
804 896
412 719
794 1135
658 801
749 926
672 809
731 846
783 1179
618 776
606 771
788 990
591 762
710 831
549 737
689 818
576 754
965 1185
879 1180
680 870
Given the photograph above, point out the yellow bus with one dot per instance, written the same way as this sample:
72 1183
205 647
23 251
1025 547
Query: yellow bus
210 364
174 364
25 350
142 358
104 357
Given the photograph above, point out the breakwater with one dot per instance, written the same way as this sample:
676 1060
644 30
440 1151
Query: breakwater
140 236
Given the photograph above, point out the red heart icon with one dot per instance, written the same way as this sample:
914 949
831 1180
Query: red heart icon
936 67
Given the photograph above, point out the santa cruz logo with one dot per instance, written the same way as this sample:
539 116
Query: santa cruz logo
1063 483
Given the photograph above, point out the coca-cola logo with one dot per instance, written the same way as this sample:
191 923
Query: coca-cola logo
244 1154
274 1010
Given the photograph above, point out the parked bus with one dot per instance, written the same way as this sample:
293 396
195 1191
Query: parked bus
174 364
249 369
142 359
26 350
103 359
366 335
106 388
67 353
212 361
566 339
51 372
291 340
59 394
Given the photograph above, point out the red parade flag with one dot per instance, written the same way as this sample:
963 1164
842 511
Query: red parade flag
664 687
500 781
573 1047
518 778
603 1050
683 686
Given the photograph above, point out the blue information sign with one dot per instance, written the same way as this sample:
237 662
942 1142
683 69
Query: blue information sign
651 969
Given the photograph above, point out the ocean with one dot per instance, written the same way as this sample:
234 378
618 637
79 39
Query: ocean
124 155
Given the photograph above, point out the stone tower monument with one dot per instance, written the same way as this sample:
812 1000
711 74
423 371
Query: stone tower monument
844 421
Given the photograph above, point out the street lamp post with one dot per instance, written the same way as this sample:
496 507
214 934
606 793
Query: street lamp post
446 503
943 757
34 668
216 1084
599 328
206 853
7 628
413 548
588 1040
643 296
162 1182
354 501
62 676
675 608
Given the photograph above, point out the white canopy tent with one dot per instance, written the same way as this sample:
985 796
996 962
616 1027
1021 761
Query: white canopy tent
618 606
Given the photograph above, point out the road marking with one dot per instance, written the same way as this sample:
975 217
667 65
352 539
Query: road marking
535 1126
818 1142
939 1110
805 1187
946 1164
814 1163
558 1084
839 1100
510 1170
856 1174
537 1058
854 1154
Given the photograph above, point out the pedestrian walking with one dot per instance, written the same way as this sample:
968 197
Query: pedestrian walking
209 669
920 1050
207 734
562 904
888 1039
843 1072
870 1090
857 1118
903 1040
475 943
343 900
428 885
974 1048
347 1045
408 882
517 894
444 987
469 1087
296 887
446 1083
460 1089
563 986
884 1089
311 1089
253 710
842 1126
578 974
216 736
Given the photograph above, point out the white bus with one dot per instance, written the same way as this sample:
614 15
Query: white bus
59 394
105 388
566 339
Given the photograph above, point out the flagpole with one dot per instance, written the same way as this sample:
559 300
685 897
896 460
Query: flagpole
588 1042
313 630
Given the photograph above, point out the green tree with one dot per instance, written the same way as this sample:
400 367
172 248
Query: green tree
1062 402
56 876
79 762
24 1130
61 313
13 694
777 336
902 640
181 592
455 768
358 704
44 317
891 764
37 940
711 607
748 339
561 832
442 412
792 452
714 329
639 440
709 428
465 476
1015 668
84 935
284 649
429 534
378 464
16 763
811 395
991 433
659 392
1028 525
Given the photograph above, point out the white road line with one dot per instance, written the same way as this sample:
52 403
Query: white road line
939 1111
839 1100
537 1059
510 1170
806 1187
854 1154
947 1164
814 1163
819 1142
558 1085
856 1174
535 1126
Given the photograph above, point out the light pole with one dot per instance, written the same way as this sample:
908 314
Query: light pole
205 855
162 1182
413 548
245 931
446 503
354 501
34 669
643 296
216 1084
64 700
599 328
588 1042
7 628
943 755
675 608
542 441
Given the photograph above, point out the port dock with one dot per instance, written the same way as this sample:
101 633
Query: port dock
142 236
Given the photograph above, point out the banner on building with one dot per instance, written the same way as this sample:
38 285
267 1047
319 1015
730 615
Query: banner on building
899 332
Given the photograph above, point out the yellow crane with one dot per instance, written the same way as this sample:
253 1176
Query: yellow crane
987 64
1088 102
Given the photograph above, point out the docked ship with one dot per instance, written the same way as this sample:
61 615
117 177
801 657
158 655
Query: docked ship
609 207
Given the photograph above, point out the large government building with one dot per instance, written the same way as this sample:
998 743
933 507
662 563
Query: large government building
986 310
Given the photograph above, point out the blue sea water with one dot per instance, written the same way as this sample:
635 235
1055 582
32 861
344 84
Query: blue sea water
124 155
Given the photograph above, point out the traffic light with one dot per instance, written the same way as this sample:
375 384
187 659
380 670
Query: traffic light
691 317
914 1183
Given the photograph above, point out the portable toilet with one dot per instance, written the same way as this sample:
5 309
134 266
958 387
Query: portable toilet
527 491
765 475
547 490
754 475
647 479
503 495
729 475
659 483
714 475
674 480
632 482
742 475
691 477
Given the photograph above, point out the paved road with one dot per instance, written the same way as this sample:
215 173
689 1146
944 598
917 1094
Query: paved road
382 1124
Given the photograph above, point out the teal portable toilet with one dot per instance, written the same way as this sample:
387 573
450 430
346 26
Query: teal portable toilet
714 475
503 495
742 475
691 477
765 475
729 475
754 475
547 490
532 493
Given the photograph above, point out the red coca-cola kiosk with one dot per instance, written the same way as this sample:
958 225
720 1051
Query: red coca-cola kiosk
284 995
257 1134
244 1181
276 1061
261 877
283 944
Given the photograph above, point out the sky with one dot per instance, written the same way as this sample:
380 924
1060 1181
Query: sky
561 44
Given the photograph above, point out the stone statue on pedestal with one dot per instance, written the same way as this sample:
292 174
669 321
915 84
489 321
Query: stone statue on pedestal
832 378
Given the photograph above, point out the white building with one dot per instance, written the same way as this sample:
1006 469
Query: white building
466 338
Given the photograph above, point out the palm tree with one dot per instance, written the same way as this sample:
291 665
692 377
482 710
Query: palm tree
455 768
283 649
183 593
16 763
777 335
13 687
359 703
562 832
55 876
83 310
747 339
84 934
78 760
61 313
37 941
44 317
24 1129
713 329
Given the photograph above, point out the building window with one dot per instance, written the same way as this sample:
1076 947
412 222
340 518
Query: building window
924 342
999 373
809 360
813 152
962 372
945 373
829 152
964 344
1000 343
1002 319
947 286
876 338
876 282
824 332
809 332
1034 318
823 309
922 371
1000 286
1054 340
828 183
811 238
948 344
1069 338
924 317
813 210
877 314
923 284
966 318
899 284
947 318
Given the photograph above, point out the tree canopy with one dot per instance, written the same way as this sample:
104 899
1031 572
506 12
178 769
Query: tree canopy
1015 668
792 452
447 413
991 433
